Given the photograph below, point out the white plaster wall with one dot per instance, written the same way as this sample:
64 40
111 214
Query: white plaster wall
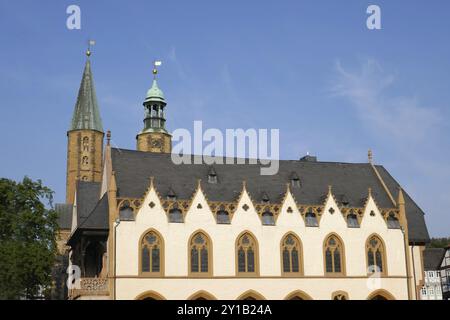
176 237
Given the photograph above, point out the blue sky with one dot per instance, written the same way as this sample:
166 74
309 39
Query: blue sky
310 68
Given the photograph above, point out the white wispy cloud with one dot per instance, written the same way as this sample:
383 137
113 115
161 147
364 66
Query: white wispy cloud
410 132
396 116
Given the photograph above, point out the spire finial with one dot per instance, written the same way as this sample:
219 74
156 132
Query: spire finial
108 137
91 43
156 63
370 156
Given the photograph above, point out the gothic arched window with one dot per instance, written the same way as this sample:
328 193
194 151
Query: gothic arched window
200 255
334 255
247 255
291 255
376 261
152 254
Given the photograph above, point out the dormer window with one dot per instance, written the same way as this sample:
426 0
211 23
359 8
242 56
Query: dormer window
311 219
126 213
352 220
268 219
393 222
295 180
176 216
212 176
223 217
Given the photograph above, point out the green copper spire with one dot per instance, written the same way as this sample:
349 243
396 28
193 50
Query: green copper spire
86 115
155 93
154 106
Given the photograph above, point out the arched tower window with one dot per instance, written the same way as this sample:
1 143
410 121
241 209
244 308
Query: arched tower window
85 161
247 255
86 144
200 255
291 255
375 252
334 256
151 252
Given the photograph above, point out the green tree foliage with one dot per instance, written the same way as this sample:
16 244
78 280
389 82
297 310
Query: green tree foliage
27 239
439 242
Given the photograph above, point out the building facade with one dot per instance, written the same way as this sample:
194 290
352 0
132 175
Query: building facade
151 229
444 271
432 288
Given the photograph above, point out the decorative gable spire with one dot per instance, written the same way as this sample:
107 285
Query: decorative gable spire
86 115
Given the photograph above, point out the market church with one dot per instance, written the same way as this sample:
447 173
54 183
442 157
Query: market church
137 226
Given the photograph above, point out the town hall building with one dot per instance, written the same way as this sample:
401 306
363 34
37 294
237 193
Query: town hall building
135 225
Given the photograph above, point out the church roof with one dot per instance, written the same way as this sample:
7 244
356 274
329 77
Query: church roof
86 115
98 217
87 197
348 180
432 258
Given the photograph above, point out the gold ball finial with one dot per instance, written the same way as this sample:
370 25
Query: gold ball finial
88 53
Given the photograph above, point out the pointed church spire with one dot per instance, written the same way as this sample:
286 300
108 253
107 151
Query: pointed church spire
85 136
86 115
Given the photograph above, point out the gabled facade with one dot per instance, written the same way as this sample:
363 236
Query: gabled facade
150 229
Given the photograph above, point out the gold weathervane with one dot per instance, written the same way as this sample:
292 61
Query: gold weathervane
156 63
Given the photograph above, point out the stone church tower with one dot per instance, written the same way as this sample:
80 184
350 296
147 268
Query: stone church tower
85 137
154 137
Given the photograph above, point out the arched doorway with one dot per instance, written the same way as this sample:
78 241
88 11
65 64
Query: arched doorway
202 295
251 295
150 295
380 295
298 295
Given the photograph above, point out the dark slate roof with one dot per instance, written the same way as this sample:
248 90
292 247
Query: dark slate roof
88 194
432 258
349 181
417 228
64 212
98 218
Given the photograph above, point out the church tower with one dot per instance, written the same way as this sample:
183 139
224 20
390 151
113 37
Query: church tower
85 136
154 137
